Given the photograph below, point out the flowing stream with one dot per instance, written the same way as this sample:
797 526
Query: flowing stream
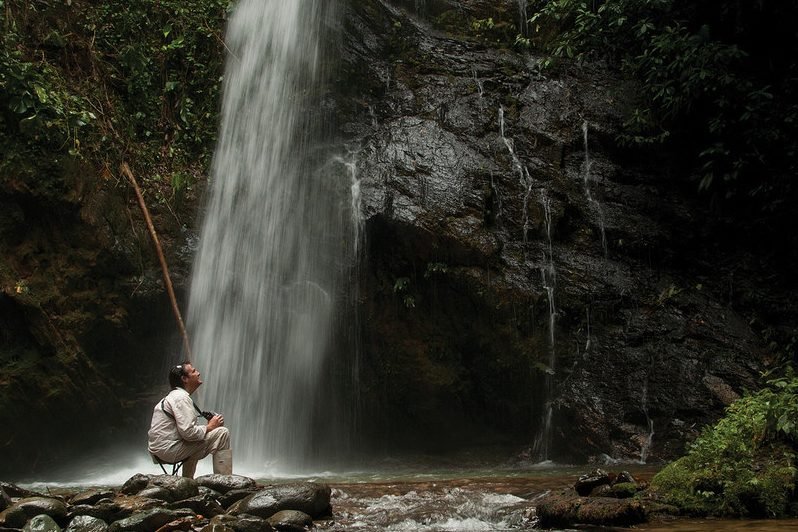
271 277
428 493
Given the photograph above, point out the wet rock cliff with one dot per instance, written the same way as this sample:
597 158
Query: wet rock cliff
526 278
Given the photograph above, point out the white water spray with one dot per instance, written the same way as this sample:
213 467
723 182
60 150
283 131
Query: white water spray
271 269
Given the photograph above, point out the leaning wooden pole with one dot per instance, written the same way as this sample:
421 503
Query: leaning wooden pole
164 268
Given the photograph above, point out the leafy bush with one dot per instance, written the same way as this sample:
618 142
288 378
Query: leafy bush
165 58
101 81
746 464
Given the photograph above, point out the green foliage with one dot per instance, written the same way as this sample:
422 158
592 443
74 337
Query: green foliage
165 58
102 81
401 287
39 113
495 31
435 268
709 83
746 464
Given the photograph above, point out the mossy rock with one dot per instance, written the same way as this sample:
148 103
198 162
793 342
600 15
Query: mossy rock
622 490
745 466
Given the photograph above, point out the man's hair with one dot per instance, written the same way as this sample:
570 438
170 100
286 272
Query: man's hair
176 374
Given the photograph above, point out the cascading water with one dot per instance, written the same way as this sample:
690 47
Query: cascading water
542 442
271 273
586 166
523 173
648 439
549 277
523 18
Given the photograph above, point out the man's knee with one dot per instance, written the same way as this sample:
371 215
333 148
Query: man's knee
221 437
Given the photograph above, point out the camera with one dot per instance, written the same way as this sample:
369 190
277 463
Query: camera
209 415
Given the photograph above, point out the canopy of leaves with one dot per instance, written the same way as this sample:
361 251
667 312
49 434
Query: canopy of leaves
717 84
102 81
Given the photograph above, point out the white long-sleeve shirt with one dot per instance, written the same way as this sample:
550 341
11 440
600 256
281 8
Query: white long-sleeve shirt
166 434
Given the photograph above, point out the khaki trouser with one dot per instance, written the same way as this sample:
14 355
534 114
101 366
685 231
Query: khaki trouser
191 452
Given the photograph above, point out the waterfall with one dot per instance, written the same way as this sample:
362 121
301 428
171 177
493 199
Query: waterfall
277 244
594 203
549 278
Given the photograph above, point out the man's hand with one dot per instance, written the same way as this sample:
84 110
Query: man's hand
214 423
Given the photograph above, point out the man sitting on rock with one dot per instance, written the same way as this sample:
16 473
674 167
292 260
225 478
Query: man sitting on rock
174 434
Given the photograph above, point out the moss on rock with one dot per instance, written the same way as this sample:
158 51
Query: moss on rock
746 464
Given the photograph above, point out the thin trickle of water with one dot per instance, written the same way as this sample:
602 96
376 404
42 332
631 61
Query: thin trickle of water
588 343
499 205
523 18
586 162
373 116
594 203
528 180
645 446
357 219
270 271
523 174
549 277
480 88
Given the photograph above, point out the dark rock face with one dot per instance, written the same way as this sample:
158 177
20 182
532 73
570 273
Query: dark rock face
516 256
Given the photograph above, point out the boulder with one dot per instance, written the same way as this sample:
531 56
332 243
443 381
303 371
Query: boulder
5 500
308 497
225 483
135 484
624 477
41 523
12 490
622 490
16 515
157 492
91 496
588 482
86 523
567 508
238 523
179 487
184 523
116 509
291 521
148 520
233 496
201 504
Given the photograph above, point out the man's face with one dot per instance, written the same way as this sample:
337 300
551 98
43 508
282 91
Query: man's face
191 378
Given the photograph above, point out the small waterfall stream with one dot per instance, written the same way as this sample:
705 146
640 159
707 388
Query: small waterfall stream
594 203
548 274
523 173
648 439
271 273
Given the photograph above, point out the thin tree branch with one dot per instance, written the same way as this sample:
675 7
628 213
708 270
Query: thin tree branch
164 269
